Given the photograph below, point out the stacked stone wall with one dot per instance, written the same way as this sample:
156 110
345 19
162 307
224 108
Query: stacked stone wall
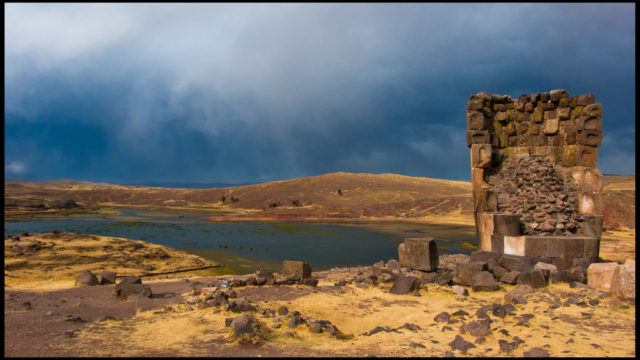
535 157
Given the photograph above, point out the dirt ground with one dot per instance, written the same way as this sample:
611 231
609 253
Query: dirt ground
67 322
145 328
45 315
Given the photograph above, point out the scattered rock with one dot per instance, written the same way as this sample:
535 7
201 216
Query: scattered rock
106 277
86 278
523 319
499 311
517 295
409 326
507 347
405 285
577 273
73 318
282 310
247 329
377 330
460 313
394 265
194 300
464 272
534 278
296 319
624 284
478 328
510 277
130 289
416 345
459 290
461 344
240 305
444 278
310 282
341 283
68 334
484 281
288 334
442 317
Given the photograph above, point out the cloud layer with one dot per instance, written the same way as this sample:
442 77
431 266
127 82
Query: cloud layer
259 92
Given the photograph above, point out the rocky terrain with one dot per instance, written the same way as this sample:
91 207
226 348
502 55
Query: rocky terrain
378 310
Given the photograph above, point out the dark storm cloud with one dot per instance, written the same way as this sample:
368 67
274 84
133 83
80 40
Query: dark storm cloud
258 92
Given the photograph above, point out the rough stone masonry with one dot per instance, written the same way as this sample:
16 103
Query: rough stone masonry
536 185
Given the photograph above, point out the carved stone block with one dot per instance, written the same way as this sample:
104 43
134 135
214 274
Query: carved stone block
590 137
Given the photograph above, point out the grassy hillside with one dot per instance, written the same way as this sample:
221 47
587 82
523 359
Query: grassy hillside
330 196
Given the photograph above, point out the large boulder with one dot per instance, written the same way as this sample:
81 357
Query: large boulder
86 278
263 277
246 329
547 269
132 289
601 275
484 281
106 277
510 277
300 269
119 290
624 285
534 278
419 253
464 272
516 262
404 285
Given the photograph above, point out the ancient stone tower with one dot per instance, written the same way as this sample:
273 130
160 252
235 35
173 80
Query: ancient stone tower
536 185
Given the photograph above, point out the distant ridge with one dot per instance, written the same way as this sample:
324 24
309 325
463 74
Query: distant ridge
187 185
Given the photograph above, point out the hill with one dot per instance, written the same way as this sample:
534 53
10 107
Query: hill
331 196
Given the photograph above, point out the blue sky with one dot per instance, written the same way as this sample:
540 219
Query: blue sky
245 93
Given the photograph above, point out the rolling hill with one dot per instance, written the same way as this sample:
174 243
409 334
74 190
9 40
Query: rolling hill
330 196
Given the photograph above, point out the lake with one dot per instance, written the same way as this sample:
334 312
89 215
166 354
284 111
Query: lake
245 246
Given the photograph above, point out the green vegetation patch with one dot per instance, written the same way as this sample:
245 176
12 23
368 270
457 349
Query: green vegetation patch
468 246
235 263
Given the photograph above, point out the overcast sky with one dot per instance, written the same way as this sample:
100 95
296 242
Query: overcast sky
238 93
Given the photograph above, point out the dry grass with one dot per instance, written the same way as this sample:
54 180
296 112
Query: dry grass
45 261
618 245
202 332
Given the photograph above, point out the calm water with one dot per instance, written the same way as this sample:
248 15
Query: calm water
322 245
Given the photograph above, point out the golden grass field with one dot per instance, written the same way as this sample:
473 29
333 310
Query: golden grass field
611 328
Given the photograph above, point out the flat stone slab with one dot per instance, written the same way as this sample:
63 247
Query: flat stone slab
568 247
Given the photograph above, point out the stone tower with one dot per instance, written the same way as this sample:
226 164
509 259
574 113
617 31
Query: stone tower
536 184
